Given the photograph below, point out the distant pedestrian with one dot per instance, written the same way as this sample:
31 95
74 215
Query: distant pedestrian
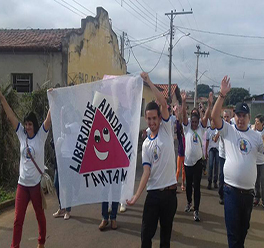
259 185
194 155
212 147
241 146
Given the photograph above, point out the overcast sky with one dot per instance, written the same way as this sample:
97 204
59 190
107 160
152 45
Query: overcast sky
238 52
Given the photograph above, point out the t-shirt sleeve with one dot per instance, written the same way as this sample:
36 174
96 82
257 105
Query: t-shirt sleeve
167 125
223 131
260 145
20 131
145 156
43 133
186 127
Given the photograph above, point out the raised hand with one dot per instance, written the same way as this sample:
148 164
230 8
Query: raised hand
225 85
145 76
183 95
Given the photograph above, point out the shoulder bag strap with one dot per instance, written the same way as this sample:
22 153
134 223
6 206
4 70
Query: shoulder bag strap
32 159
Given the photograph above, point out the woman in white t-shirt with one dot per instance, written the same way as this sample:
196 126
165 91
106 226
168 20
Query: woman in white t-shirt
32 138
194 153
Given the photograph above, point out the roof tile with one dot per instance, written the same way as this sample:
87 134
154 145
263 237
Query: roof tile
32 39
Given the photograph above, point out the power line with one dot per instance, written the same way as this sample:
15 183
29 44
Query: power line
67 8
136 12
84 7
138 44
155 17
148 38
226 53
219 33
157 61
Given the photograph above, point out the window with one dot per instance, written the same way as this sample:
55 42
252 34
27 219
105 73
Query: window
22 82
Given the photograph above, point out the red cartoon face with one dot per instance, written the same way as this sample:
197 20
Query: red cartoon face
103 150
100 137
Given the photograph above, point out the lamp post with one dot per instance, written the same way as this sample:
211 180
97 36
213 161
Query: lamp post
170 62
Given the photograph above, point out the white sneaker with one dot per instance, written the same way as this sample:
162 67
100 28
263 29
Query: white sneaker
122 208
67 215
59 213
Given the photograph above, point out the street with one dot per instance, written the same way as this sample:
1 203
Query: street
81 230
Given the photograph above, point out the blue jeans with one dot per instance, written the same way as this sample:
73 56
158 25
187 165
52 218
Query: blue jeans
213 165
113 213
221 178
56 184
238 208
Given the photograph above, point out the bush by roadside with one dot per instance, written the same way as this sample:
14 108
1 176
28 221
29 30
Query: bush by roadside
7 194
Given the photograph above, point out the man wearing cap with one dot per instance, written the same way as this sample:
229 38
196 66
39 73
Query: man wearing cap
240 171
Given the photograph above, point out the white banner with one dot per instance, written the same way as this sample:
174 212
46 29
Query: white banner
95 130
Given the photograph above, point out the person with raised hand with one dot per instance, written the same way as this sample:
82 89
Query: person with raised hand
159 169
240 171
194 155
32 140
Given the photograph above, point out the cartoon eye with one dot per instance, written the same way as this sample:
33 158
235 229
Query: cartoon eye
106 134
97 136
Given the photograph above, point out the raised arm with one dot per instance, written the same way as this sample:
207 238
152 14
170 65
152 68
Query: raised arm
47 122
216 112
184 112
9 112
160 98
208 110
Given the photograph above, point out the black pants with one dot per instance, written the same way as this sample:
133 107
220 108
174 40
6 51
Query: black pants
193 180
162 206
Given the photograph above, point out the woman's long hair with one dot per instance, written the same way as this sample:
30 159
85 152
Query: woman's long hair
33 118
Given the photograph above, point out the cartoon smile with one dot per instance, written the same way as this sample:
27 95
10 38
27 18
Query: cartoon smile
97 139
101 155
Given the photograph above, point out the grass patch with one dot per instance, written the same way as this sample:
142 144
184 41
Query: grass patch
7 194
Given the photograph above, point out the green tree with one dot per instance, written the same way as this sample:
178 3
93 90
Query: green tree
203 90
236 95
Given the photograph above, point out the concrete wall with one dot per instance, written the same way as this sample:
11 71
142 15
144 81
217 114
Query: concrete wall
44 67
94 52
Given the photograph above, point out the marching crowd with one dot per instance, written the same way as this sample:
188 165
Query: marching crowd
236 166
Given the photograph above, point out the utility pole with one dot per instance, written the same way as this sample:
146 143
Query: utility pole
122 38
171 16
214 86
198 53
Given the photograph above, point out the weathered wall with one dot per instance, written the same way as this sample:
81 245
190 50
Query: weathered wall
44 67
93 52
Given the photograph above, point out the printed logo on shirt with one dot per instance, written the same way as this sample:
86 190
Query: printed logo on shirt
244 146
195 138
25 152
156 153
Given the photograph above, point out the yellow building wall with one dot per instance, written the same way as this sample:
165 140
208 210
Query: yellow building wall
94 52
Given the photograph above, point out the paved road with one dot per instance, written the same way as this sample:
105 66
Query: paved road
81 230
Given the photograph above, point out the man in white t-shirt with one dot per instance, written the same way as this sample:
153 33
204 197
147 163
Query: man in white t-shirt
159 169
241 147
212 151
259 185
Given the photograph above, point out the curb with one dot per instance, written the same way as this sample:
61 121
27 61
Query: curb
7 203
